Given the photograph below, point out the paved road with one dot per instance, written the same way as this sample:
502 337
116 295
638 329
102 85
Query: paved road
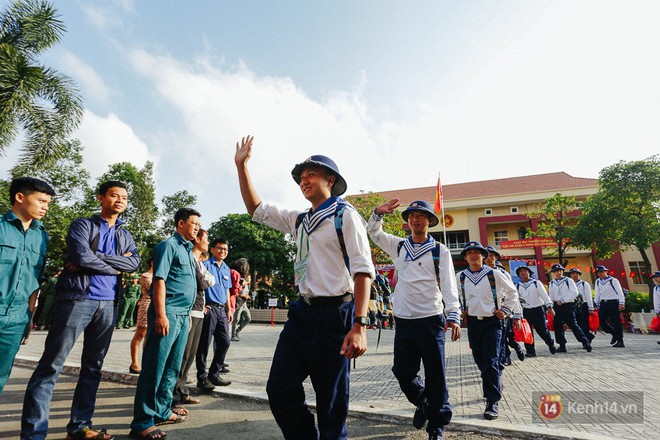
375 392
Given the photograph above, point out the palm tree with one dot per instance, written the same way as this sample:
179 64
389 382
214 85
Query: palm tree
34 99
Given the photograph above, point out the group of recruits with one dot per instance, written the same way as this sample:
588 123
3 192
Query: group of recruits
327 326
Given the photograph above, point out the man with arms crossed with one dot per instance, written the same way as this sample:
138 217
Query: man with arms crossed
326 327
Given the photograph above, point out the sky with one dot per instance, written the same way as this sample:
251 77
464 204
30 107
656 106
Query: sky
395 92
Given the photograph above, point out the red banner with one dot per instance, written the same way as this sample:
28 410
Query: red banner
527 242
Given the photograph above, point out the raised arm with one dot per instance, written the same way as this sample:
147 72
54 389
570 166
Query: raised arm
243 153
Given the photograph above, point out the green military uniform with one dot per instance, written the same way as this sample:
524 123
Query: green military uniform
22 262
161 361
132 293
47 300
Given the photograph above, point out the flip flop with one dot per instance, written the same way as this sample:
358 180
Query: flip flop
178 419
82 435
192 401
180 411
155 434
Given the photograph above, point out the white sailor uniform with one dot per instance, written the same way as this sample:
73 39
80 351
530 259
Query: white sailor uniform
609 296
584 304
563 292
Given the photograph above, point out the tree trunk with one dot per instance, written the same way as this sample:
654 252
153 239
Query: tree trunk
647 269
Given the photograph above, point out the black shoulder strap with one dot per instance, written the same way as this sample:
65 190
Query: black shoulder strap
491 280
436 261
339 223
462 279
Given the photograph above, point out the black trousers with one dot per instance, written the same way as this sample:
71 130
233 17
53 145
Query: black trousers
485 336
565 314
609 309
216 326
536 318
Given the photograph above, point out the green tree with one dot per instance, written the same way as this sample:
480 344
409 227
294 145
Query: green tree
625 213
365 204
142 212
269 252
556 220
171 204
35 99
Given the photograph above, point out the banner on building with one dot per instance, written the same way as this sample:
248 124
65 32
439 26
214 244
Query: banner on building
527 242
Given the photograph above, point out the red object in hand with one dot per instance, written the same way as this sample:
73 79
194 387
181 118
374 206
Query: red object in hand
551 321
594 322
523 333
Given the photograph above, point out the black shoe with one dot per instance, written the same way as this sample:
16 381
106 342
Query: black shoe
530 355
587 346
553 348
658 342
613 340
521 354
502 366
225 365
492 410
562 348
224 371
591 336
619 344
419 418
435 435
507 361
235 339
205 385
220 382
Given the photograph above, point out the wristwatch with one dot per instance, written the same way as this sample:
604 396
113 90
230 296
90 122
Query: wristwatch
362 320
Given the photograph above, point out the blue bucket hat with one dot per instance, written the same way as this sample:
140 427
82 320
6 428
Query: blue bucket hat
556 266
655 274
492 249
574 270
422 206
529 269
601 268
474 245
338 188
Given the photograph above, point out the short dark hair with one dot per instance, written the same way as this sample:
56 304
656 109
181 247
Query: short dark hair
105 186
27 186
184 214
220 240
241 266
201 233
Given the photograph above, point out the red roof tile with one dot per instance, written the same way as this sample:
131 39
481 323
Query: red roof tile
497 187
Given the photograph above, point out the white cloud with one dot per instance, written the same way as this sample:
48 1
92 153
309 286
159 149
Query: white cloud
109 140
92 84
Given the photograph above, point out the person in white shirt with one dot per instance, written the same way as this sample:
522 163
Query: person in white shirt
611 302
656 294
562 293
508 339
426 281
584 303
488 297
535 301
333 272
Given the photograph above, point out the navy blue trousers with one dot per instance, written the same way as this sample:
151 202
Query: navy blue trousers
609 309
423 340
582 317
536 318
485 341
309 346
565 314
215 326
507 341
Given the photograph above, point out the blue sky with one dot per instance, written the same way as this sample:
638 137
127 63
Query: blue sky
394 91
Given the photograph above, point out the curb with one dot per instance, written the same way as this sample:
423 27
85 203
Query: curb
502 429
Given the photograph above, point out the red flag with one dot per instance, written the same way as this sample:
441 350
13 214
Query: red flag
438 198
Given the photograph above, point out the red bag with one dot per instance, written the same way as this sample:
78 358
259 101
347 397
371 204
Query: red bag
551 321
655 324
594 322
523 333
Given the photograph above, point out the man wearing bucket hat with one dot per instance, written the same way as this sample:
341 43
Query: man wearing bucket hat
333 272
488 297
535 301
584 303
508 340
562 293
611 302
425 292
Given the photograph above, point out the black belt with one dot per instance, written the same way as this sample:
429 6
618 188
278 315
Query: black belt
327 300
482 318
609 300
215 304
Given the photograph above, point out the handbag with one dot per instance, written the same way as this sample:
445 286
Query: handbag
594 322
551 321
523 333
655 324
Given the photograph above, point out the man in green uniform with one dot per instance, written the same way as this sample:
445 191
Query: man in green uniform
46 302
23 244
168 322
131 295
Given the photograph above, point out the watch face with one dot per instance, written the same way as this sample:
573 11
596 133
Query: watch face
362 320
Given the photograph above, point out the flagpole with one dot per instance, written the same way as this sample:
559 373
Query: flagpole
442 205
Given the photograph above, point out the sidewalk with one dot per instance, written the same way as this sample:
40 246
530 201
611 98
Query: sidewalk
375 392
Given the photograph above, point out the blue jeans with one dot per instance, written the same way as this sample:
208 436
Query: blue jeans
417 340
70 318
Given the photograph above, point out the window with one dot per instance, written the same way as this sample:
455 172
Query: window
522 233
500 236
455 240
636 270
488 211
514 210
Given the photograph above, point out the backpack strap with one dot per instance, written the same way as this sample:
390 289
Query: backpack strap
462 279
491 280
436 258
